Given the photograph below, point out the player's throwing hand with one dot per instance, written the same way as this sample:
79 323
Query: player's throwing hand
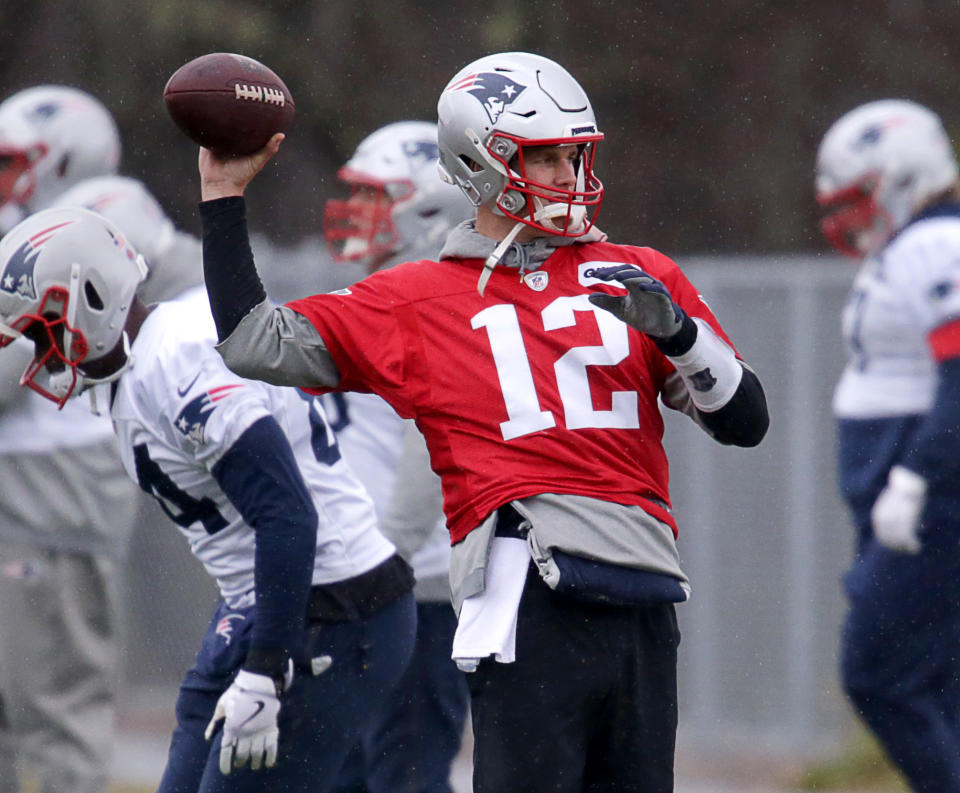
221 177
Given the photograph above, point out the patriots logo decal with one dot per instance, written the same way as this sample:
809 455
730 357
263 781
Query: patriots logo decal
703 380
492 90
224 627
872 135
17 278
192 420
424 150
44 112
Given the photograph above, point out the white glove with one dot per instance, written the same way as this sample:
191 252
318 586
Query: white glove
896 513
249 709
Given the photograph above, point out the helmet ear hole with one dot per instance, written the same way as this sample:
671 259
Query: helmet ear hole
94 300
63 165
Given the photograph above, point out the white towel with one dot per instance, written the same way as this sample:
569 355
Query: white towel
488 621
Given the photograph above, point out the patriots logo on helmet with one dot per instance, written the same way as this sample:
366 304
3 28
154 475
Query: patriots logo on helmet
44 111
17 278
494 91
225 626
421 150
192 420
871 135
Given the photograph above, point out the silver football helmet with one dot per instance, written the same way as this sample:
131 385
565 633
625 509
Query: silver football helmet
876 167
51 137
399 208
67 281
492 112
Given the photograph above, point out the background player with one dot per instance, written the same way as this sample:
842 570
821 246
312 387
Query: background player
532 356
887 177
252 476
399 210
67 507
174 257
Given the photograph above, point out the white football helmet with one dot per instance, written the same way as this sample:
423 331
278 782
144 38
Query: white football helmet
67 280
496 108
174 258
876 167
51 137
399 208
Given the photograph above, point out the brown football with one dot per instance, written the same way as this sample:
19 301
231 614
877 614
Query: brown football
228 103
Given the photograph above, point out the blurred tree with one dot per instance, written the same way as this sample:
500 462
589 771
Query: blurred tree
712 110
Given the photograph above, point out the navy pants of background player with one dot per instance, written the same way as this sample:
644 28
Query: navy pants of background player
320 717
900 658
589 705
415 736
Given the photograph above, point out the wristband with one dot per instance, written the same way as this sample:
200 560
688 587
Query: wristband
709 368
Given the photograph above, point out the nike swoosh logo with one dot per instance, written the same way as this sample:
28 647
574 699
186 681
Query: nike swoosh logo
252 716
183 391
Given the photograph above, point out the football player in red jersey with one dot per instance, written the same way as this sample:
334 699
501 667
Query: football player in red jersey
532 356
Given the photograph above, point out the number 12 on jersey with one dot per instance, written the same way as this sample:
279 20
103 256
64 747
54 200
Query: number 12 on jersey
573 385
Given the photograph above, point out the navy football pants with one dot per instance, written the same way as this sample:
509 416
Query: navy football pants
320 717
900 659
414 738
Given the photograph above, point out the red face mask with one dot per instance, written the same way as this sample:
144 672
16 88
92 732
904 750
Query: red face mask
854 218
14 163
582 202
47 329
361 227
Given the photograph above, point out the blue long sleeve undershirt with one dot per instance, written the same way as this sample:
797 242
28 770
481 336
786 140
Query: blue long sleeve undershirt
260 476
233 285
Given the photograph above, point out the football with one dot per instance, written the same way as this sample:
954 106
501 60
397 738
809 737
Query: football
229 103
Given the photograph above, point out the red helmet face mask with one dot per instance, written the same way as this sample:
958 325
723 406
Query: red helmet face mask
555 210
855 220
361 227
14 164
58 348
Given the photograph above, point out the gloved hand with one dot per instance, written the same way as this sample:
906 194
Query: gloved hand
249 711
647 306
896 512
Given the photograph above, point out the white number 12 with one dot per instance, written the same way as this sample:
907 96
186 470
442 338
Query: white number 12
516 378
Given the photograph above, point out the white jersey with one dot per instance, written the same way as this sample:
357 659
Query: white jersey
178 410
898 297
371 436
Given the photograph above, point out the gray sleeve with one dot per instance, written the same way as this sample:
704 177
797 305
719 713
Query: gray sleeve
416 502
277 345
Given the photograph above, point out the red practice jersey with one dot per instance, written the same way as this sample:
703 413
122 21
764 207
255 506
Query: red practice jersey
526 389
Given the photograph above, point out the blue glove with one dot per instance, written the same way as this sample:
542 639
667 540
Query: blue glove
647 306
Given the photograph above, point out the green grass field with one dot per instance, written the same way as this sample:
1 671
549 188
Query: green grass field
862 766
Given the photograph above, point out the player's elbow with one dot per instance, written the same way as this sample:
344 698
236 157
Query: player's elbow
745 419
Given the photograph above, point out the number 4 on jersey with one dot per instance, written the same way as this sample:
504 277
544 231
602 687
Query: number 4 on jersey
156 483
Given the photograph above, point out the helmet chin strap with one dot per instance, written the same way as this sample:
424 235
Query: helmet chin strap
548 212
69 380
